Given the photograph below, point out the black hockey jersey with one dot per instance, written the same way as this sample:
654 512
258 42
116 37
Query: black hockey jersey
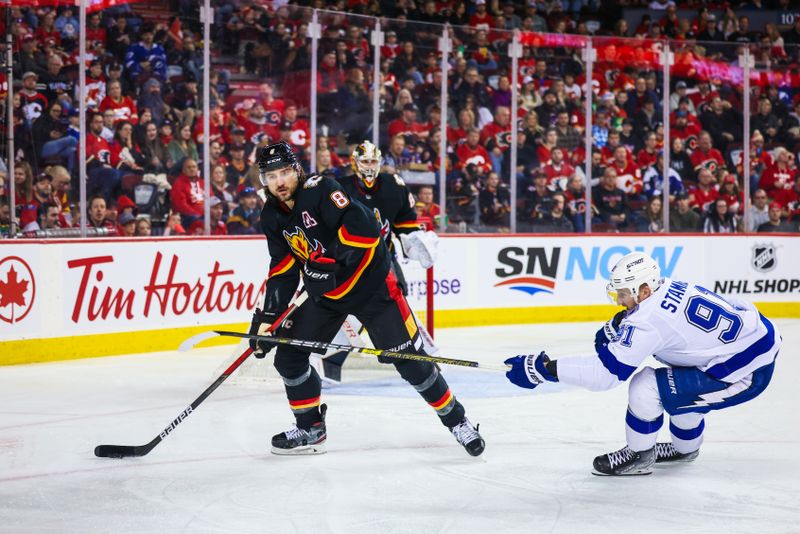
323 218
389 200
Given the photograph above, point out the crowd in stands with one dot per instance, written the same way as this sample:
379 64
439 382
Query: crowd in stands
145 130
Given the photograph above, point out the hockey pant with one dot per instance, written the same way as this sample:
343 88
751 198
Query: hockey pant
390 325
686 394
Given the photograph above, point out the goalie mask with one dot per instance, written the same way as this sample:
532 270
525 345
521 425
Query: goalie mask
630 273
366 162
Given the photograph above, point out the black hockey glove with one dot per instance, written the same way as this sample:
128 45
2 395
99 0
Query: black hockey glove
259 327
608 332
319 274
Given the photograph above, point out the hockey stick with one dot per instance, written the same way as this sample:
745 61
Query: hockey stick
122 451
319 346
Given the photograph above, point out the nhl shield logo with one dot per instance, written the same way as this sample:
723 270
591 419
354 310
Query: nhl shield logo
764 258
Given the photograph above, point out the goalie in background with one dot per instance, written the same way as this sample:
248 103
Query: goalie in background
394 207
718 352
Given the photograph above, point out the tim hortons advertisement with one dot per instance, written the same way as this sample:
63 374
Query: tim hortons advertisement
97 287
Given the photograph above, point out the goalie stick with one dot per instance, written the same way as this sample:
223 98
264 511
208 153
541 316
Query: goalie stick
319 346
122 451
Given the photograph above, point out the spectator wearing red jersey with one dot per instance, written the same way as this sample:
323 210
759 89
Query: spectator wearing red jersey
705 156
273 107
95 30
425 205
123 107
217 220
729 192
125 153
407 126
789 199
300 130
33 102
481 19
780 175
648 155
704 193
47 29
187 193
549 143
466 121
629 176
558 171
684 130
103 177
256 124
472 152
703 95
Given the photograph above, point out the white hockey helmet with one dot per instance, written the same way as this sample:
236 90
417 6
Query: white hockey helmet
631 272
366 161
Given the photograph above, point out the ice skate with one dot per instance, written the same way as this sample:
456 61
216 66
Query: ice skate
300 441
468 436
666 454
625 462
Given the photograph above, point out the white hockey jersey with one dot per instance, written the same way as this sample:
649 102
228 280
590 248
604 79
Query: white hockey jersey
682 325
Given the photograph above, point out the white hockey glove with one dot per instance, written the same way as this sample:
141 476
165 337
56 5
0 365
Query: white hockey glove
421 246
528 371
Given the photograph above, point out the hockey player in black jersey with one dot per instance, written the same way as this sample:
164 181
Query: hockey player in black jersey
315 230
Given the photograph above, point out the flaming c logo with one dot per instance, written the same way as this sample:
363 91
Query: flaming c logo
299 244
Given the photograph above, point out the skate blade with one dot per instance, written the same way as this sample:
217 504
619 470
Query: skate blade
631 474
307 450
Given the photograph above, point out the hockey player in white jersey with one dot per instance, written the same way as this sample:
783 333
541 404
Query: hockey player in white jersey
718 352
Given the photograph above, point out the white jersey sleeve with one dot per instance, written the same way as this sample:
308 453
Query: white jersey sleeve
637 338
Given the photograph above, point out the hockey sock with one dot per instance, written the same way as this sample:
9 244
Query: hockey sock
687 431
432 386
303 393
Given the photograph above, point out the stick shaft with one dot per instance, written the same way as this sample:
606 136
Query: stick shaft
319 346
120 451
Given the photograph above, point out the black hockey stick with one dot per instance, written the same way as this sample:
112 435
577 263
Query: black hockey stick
123 451
319 346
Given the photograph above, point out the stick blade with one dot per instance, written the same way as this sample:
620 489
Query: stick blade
119 451
196 340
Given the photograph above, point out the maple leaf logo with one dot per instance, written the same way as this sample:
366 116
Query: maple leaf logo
13 290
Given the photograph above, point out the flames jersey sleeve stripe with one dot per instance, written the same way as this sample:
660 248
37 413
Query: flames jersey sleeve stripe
345 288
357 241
283 266
406 225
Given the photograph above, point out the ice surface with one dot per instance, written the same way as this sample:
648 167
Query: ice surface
390 467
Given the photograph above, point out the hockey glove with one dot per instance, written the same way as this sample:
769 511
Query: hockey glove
319 274
259 326
528 371
421 246
608 332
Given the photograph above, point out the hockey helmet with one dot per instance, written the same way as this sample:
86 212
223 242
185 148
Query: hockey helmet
366 162
273 157
631 272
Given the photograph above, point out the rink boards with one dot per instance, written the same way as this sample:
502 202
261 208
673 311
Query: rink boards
62 299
